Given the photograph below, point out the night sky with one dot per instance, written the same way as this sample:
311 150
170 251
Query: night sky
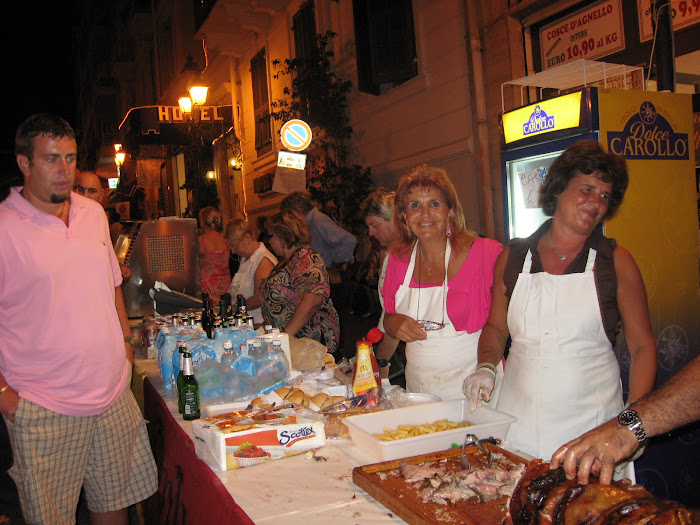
38 70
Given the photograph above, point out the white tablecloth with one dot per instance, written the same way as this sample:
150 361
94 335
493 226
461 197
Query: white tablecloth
294 490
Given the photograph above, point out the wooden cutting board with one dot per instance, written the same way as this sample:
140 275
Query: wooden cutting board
404 499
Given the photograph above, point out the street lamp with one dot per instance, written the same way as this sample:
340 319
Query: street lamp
119 157
191 105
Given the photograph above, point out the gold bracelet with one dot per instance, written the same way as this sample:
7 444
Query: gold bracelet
486 364
2 390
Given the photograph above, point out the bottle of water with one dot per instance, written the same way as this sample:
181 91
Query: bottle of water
229 355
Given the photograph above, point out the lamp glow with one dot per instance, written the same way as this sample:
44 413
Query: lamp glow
198 94
211 175
185 104
119 158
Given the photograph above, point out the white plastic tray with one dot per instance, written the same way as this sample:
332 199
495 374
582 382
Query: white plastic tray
485 422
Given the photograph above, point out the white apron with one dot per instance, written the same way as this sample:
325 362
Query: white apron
561 376
244 280
439 364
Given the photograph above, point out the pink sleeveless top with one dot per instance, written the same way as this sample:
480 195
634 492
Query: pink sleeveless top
469 294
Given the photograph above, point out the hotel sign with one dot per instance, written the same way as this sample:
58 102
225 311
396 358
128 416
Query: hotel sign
590 33
168 125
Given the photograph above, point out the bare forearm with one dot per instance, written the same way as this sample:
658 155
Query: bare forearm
386 347
642 373
303 313
492 344
253 302
674 404
123 321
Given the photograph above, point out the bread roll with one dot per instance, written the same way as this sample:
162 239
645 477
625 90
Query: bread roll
328 358
296 397
306 401
337 399
319 399
256 402
283 391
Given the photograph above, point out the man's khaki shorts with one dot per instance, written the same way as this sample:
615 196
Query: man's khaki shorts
55 455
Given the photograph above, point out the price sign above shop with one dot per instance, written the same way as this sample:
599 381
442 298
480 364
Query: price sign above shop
684 13
590 33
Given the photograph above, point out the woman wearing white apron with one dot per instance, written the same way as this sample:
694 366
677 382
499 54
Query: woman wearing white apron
560 294
436 289
256 264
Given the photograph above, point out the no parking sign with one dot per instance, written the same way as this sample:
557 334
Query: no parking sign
295 135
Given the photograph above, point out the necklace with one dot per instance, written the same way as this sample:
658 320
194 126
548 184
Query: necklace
431 325
562 257
425 262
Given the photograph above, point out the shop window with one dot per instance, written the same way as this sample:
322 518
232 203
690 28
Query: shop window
263 134
385 42
263 183
304 27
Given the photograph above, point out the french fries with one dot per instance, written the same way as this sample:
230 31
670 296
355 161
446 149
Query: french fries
406 431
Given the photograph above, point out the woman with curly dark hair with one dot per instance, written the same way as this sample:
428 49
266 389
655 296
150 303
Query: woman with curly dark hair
561 294
296 294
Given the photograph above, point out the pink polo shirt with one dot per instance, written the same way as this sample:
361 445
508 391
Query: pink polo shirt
61 344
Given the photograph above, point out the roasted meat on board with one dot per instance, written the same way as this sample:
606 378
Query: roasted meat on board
545 496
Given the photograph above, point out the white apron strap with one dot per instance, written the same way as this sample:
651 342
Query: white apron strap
527 263
590 263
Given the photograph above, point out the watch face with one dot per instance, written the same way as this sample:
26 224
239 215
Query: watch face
628 417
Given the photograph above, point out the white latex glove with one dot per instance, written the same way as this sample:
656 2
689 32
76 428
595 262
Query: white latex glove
477 384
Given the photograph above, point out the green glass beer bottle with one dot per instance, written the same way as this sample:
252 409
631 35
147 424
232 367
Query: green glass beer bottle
181 348
190 391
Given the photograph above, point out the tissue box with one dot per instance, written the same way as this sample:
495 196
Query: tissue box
243 439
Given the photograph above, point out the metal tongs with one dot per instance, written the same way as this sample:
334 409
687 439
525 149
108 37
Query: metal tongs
471 439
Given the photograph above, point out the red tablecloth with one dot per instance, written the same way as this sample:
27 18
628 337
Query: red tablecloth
188 490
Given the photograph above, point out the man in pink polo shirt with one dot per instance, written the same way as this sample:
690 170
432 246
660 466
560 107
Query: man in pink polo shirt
65 349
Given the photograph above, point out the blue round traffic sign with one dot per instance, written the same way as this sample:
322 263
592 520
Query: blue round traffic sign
295 135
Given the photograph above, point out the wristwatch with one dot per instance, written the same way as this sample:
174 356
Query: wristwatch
630 419
382 362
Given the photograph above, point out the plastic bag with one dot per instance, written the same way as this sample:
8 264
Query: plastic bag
307 354
167 346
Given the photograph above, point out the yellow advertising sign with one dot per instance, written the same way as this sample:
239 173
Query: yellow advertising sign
548 115
657 221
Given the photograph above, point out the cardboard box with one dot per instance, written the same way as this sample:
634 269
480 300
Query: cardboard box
243 439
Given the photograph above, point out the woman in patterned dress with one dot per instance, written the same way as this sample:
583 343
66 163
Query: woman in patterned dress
297 291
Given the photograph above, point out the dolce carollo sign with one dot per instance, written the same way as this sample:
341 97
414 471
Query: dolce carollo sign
649 135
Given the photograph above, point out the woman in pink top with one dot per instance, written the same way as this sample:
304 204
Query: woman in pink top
213 254
437 290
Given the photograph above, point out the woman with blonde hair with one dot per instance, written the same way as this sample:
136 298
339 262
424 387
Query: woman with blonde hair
213 254
297 291
256 264
437 287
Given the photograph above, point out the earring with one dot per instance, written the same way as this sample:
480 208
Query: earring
448 230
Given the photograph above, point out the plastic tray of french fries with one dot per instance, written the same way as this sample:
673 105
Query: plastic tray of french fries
421 429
